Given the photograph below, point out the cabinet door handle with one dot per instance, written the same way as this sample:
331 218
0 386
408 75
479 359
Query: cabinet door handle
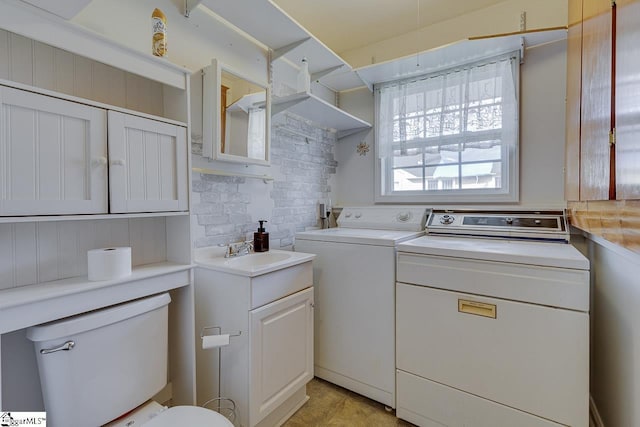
100 161
477 308
117 162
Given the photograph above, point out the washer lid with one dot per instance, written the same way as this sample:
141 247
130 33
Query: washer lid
360 236
544 254
188 416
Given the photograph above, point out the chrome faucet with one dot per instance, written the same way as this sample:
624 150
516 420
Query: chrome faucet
239 249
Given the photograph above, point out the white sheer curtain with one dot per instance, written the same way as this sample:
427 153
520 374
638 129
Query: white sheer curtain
473 106
256 133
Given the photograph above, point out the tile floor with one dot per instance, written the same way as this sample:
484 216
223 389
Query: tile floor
330 405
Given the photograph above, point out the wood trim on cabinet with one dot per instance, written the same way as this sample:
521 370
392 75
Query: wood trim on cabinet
574 102
612 143
617 221
596 99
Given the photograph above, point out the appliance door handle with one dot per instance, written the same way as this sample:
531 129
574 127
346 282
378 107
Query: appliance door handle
477 308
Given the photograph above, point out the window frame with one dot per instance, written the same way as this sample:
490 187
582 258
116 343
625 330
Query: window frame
509 193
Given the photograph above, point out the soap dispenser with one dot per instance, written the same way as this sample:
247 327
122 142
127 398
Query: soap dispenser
261 238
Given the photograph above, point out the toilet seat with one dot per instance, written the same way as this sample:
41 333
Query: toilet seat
188 416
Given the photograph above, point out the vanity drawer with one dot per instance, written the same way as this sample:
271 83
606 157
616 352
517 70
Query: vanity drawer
278 284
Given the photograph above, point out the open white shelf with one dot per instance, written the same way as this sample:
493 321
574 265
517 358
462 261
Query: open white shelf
37 24
289 40
276 29
321 112
451 55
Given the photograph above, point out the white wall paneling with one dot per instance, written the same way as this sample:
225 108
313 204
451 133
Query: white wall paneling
33 63
36 252
34 23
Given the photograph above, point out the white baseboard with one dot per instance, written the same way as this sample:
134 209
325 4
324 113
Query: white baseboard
594 416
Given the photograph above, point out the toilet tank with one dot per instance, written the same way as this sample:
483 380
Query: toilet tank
116 360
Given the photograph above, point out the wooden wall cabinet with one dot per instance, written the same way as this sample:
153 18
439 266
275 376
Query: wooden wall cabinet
603 111
602 175
627 99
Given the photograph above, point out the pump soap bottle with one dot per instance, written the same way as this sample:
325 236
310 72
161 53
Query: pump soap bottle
261 238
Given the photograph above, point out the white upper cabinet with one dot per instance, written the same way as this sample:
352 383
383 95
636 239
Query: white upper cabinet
53 155
57 155
147 165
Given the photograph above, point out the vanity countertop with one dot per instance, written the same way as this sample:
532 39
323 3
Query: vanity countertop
250 265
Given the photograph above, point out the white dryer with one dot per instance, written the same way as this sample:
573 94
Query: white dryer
492 322
354 276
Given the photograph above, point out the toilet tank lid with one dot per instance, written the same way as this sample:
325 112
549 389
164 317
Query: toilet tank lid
95 319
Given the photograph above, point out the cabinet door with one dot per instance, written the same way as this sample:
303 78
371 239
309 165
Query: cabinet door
627 96
596 100
281 352
53 155
147 165
574 82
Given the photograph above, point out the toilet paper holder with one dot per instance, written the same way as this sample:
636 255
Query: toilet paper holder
203 332
226 406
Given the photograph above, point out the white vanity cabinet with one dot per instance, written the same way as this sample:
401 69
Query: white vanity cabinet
265 369
281 334
58 155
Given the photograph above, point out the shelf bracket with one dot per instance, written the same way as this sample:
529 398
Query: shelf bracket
522 47
189 5
365 81
346 132
277 53
319 74
277 108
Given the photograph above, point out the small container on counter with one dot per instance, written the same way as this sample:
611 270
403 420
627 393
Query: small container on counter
261 238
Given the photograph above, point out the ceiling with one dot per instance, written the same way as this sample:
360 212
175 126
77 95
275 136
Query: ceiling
344 25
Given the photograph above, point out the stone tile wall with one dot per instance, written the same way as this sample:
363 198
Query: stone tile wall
226 209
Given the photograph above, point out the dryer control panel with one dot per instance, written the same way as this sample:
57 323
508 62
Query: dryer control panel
538 225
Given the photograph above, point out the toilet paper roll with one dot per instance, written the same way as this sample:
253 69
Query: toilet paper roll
214 341
108 263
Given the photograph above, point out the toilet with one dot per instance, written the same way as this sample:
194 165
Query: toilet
97 366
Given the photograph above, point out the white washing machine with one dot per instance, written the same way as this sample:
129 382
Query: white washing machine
354 275
493 322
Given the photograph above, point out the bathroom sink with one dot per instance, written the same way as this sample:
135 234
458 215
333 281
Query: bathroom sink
253 264
259 259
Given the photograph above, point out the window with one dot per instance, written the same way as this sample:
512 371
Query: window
450 136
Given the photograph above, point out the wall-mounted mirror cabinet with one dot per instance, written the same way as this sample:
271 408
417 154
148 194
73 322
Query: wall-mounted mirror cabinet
236 116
